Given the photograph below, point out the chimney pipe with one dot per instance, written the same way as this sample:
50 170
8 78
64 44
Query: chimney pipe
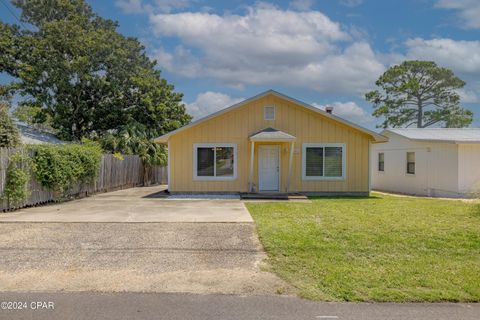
329 109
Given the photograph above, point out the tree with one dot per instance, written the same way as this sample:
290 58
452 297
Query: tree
75 70
33 116
9 136
135 138
419 93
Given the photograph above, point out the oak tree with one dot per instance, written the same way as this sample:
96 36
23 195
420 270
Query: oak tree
86 78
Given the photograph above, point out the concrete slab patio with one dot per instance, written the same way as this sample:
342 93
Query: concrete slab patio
134 205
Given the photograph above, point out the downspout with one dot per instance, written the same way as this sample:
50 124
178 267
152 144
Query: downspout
369 167
168 167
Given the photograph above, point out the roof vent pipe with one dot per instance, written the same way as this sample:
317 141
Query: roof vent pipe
329 109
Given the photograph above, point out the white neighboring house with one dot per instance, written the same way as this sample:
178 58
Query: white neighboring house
435 162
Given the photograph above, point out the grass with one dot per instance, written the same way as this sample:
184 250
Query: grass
378 248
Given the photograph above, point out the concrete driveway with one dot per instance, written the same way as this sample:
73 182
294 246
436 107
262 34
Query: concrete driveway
134 205
134 257
42 250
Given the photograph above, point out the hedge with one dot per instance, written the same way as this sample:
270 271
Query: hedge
56 167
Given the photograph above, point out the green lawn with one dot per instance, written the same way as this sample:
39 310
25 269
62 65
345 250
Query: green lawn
378 248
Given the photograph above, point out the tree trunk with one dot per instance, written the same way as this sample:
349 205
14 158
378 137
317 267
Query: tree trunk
146 176
420 114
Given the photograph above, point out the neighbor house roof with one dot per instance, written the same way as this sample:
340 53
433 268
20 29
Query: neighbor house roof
31 135
271 134
377 137
449 135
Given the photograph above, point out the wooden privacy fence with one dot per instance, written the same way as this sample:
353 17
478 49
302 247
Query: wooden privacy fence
113 174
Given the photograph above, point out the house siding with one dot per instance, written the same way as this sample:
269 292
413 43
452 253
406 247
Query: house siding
469 169
237 125
436 167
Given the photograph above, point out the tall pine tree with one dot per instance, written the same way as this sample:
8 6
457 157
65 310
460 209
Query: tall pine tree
420 94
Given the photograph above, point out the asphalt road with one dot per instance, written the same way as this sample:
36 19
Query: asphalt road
120 306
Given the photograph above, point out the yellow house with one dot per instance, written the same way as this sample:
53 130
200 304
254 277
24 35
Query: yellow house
270 143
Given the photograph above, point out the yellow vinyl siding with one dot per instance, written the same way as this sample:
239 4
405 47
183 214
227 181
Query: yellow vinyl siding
237 125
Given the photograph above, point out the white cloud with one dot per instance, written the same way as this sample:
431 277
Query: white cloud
461 56
270 46
181 61
354 70
169 5
468 11
311 29
209 102
141 6
130 6
350 111
469 96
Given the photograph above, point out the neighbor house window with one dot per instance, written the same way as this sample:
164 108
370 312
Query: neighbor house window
269 113
411 162
215 161
323 161
381 161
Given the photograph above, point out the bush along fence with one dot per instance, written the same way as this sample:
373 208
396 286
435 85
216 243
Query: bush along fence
43 173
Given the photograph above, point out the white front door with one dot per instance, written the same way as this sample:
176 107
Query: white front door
268 168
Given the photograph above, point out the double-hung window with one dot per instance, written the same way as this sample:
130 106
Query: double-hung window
411 162
323 161
381 161
215 161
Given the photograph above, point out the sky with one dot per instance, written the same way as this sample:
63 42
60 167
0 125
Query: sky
325 52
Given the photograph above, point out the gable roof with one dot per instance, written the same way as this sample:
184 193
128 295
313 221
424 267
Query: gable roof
377 137
31 135
271 134
448 135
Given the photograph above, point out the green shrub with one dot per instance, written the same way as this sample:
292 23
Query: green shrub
18 175
58 167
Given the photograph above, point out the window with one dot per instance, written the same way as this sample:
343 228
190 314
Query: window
411 162
381 161
269 112
215 162
323 161
205 163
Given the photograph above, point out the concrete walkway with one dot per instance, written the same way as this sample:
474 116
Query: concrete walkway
133 205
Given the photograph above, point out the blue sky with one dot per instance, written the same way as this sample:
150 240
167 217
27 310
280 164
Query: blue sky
327 52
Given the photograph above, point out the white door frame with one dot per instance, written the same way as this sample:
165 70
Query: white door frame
259 166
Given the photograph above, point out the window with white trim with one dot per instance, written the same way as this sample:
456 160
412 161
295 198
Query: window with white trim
411 162
323 161
215 161
269 113
381 161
